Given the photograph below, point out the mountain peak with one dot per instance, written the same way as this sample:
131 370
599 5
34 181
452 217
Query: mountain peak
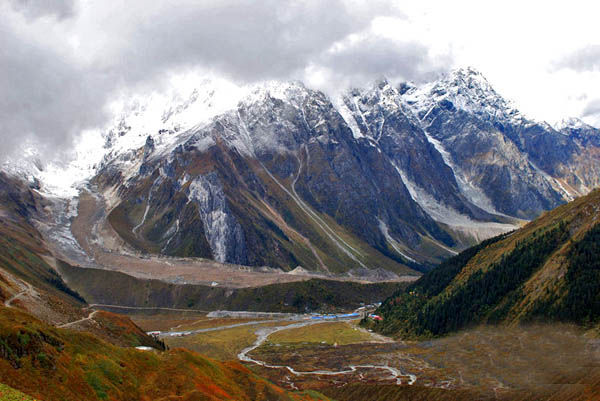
572 123
381 83
467 71
469 78
467 89
277 89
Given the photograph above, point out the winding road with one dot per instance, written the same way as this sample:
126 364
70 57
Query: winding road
28 290
89 317
205 330
14 297
265 332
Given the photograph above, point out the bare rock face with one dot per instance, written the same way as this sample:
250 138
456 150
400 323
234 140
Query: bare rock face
491 147
223 232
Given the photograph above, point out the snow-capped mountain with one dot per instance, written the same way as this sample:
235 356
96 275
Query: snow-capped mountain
384 177
465 89
584 133
497 155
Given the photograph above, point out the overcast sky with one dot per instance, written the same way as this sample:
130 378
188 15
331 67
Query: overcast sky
62 62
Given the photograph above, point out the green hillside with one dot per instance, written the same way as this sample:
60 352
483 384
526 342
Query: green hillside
548 270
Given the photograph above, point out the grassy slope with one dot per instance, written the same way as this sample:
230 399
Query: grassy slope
532 274
223 345
119 330
19 259
340 333
10 394
50 364
110 287
21 245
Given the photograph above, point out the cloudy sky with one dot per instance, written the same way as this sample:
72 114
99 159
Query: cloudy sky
62 62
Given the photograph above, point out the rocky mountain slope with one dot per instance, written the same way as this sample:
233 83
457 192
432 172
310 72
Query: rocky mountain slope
548 270
387 178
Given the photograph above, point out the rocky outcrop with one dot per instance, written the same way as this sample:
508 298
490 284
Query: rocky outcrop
223 232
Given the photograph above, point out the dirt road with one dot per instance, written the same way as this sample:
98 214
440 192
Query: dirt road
89 317
27 291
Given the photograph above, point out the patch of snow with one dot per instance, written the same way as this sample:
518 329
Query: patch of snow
171 233
183 180
468 90
203 144
348 117
63 176
362 115
466 187
386 233
219 225
58 227
447 215
154 185
554 183
571 123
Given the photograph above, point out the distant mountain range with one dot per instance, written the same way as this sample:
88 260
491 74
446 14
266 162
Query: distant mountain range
386 181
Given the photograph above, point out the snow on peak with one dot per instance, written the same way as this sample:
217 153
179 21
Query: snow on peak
364 110
469 75
464 89
61 177
572 123
165 117
287 91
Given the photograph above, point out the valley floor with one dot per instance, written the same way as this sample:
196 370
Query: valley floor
301 353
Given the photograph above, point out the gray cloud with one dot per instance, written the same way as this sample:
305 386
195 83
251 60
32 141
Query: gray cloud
381 57
45 97
592 108
583 59
56 74
243 39
41 8
592 112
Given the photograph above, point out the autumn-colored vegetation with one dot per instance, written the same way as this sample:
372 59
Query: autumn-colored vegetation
92 358
58 364
10 394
